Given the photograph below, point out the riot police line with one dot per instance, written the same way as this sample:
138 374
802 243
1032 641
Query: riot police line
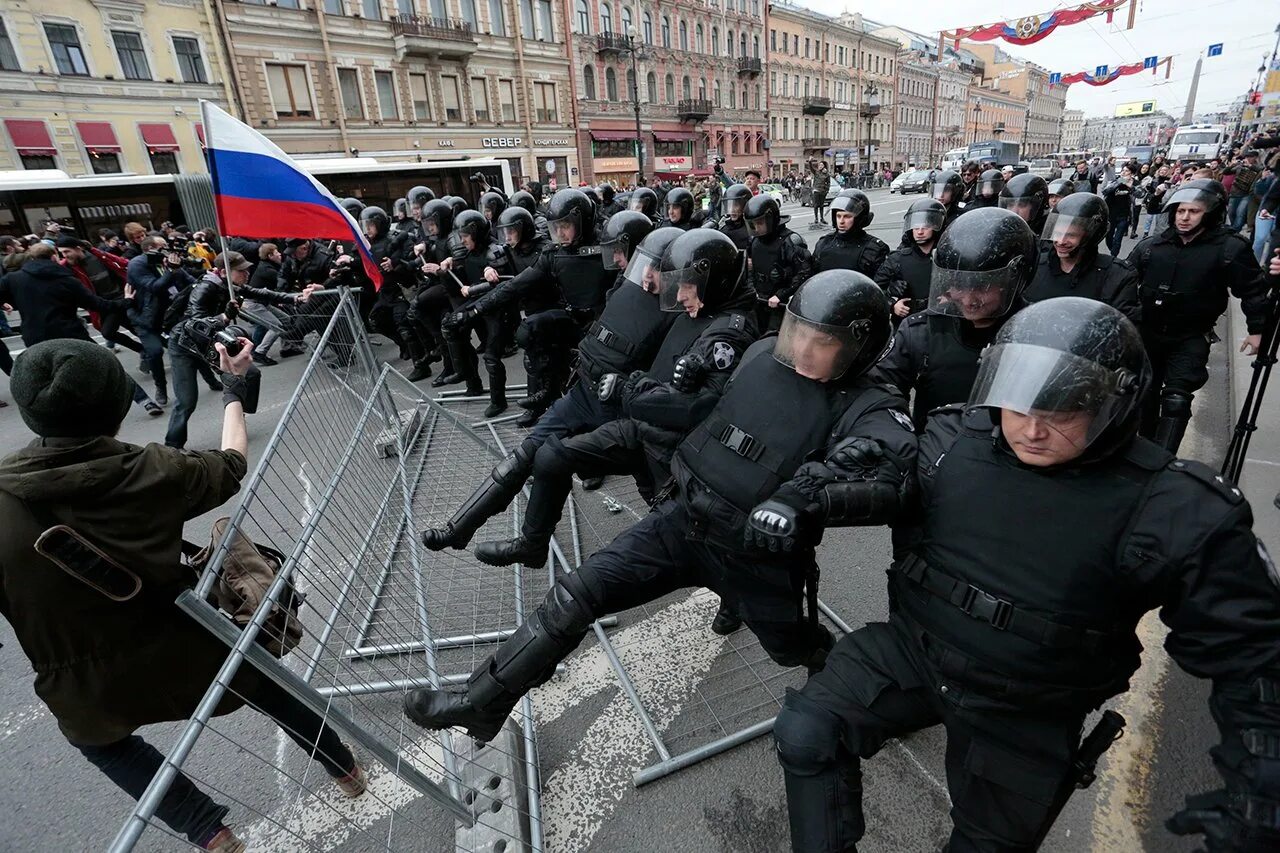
1037 505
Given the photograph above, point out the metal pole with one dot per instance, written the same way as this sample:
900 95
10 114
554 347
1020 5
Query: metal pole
635 102
667 766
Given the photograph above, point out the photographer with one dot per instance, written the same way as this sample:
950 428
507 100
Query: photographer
156 276
210 300
107 666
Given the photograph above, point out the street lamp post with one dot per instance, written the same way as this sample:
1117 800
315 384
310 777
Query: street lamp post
977 113
634 49
870 109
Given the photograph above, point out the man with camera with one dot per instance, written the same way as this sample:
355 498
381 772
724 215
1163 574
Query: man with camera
210 310
156 276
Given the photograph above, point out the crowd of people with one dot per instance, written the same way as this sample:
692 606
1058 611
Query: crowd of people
996 363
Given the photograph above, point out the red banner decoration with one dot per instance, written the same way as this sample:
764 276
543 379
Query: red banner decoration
1114 74
1033 28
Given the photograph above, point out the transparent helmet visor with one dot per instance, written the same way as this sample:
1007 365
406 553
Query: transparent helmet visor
1027 208
944 193
509 234
636 204
924 219
972 295
991 186
816 350
733 207
643 270
614 253
681 289
846 204
563 230
1058 226
760 226
1192 195
1073 396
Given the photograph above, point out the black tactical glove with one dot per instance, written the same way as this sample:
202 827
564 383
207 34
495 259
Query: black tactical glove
781 523
235 389
856 452
609 388
690 372
457 319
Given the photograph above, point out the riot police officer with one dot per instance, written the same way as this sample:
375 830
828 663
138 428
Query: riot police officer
905 274
525 200
980 267
850 247
1059 189
948 187
1009 632
402 221
702 281
1070 264
609 200
679 207
1028 196
352 206
645 200
748 510
1185 273
779 260
492 204
434 297
389 252
733 224
481 255
987 193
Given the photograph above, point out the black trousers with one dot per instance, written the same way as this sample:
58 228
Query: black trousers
1003 769
112 323
385 318
1179 364
655 557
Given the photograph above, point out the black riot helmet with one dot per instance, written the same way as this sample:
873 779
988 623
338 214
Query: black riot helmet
590 192
352 206
1203 191
473 222
491 205
607 193
437 218
1076 364
983 261
925 213
855 202
1060 188
520 198
990 183
645 200
1080 217
764 218
681 199
456 203
947 187
376 218
515 226
645 266
701 267
836 326
622 234
571 218
1026 195
735 200
418 197
400 209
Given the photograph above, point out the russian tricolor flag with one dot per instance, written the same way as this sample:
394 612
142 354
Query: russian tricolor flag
260 192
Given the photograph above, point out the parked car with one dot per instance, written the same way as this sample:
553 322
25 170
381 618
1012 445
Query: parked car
774 191
915 181
1046 168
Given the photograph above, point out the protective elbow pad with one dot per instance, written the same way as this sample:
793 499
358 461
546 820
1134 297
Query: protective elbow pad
860 502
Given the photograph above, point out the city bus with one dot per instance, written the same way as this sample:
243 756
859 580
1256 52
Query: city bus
84 205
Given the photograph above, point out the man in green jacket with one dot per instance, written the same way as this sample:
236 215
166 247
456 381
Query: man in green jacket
105 667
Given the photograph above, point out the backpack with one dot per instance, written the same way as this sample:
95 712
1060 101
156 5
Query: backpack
176 309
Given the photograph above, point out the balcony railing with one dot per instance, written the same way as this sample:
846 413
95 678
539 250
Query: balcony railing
822 142
441 28
750 65
694 108
817 106
612 43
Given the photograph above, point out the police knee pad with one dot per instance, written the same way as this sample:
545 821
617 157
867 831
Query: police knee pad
806 735
523 336
1175 404
517 464
551 459
567 610
492 360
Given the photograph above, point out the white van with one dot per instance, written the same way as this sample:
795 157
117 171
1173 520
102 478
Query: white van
955 158
1197 142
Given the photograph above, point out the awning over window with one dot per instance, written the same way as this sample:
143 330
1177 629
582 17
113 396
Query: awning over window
30 137
99 137
158 138
613 135
200 133
676 136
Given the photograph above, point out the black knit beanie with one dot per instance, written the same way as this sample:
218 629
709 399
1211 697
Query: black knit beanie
70 388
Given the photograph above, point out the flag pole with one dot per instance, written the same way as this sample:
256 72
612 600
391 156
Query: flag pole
218 218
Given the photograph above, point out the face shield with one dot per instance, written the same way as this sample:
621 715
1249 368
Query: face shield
509 235
1059 227
614 253
816 350
1192 195
924 219
1027 208
760 226
1075 397
680 290
733 207
973 295
643 270
990 188
636 204
564 230
942 192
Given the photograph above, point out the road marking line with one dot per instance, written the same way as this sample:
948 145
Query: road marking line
15 721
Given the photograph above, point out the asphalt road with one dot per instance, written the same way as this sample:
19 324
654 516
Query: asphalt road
589 740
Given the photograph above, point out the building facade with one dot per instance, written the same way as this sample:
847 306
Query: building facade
995 114
403 80
1105 134
1072 130
107 87
695 69
1029 84
917 110
953 98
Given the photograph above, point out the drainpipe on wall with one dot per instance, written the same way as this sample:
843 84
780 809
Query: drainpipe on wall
333 78
526 85
230 86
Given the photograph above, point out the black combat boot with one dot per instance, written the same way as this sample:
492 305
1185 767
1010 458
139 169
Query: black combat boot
491 498
727 620
497 386
421 370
